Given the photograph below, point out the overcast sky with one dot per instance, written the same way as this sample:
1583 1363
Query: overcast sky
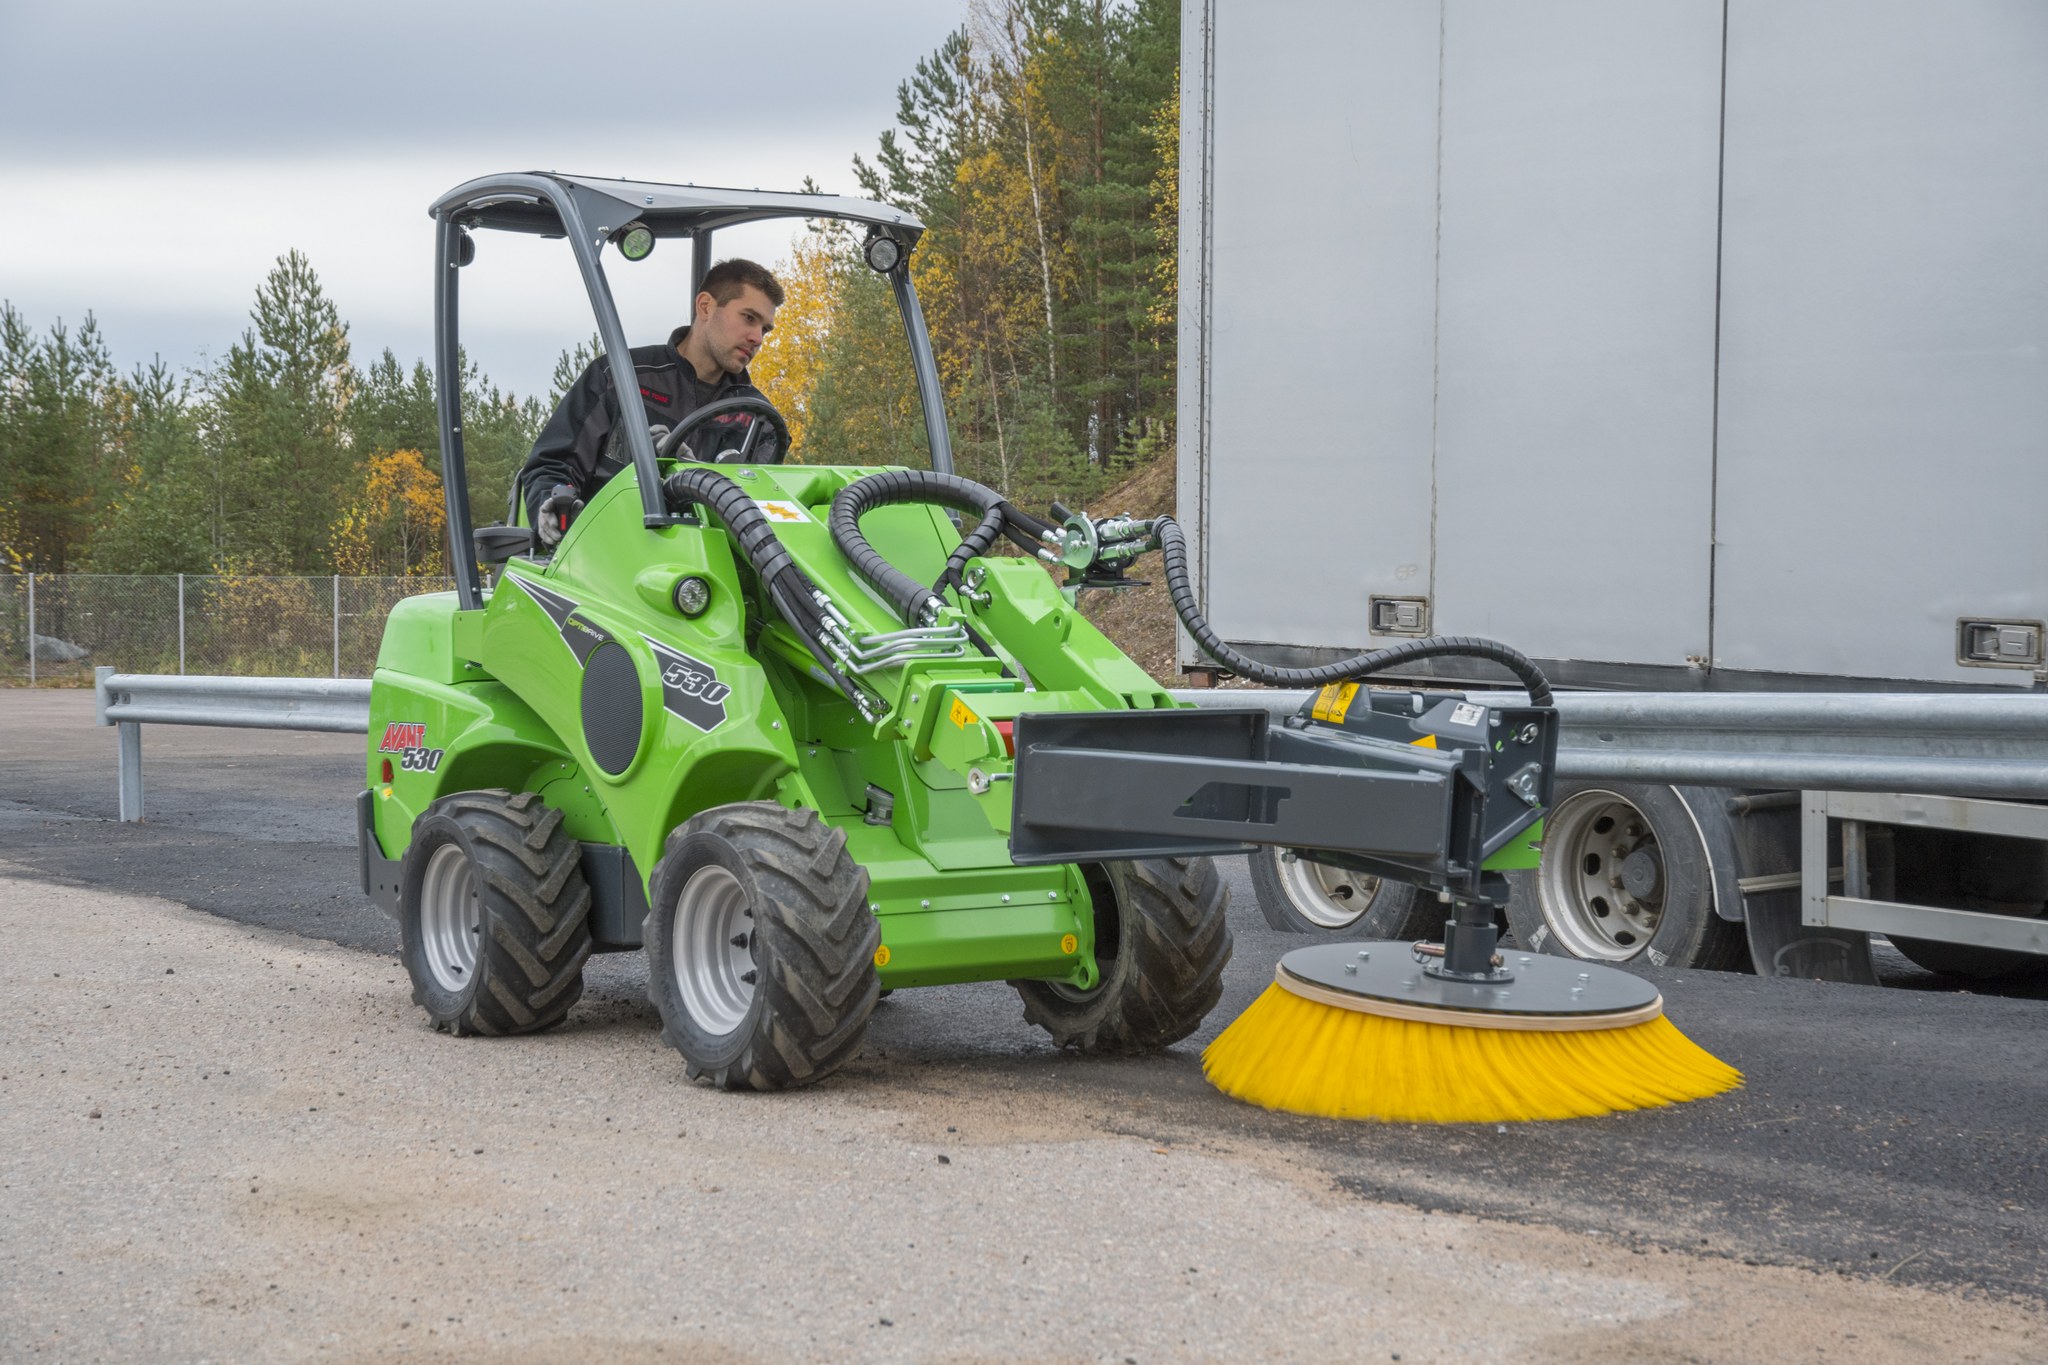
156 159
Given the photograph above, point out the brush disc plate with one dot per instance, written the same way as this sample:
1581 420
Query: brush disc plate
1549 994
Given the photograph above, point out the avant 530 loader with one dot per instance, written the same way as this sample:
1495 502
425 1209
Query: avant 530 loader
789 729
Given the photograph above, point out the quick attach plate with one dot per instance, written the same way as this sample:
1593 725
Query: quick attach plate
1548 994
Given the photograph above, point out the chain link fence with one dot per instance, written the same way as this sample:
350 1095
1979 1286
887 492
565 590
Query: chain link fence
232 624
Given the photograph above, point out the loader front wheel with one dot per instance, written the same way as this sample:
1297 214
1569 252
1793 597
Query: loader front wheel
1161 942
493 913
761 947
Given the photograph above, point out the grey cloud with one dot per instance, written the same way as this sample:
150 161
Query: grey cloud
148 81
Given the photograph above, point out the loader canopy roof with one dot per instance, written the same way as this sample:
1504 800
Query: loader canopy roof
525 202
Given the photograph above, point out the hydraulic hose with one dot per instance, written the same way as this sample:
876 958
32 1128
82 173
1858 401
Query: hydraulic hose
788 587
1173 552
914 601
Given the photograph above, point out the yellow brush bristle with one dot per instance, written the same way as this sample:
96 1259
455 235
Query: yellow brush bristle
1310 1058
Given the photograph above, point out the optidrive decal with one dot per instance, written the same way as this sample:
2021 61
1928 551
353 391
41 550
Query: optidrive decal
577 631
689 688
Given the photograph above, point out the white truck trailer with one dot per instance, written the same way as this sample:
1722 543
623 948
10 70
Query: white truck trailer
1698 349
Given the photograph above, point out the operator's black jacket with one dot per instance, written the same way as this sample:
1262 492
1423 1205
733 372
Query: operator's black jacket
576 446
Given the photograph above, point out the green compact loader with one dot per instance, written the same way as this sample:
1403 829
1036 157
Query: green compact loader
799 732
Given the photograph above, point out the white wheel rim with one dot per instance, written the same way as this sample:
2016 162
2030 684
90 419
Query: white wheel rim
712 949
1587 838
451 920
1327 897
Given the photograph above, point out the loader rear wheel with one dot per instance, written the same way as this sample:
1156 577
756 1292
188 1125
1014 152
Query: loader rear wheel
761 947
1301 897
494 917
1161 941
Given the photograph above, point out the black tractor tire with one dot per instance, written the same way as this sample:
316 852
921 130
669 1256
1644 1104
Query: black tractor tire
493 914
1161 942
1299 897
761 947
1663 913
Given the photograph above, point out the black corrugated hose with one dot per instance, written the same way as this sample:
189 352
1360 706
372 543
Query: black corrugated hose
912 599
787 586
1173 552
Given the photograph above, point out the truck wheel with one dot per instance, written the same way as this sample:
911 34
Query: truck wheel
761 947
1161 941
494 918
1301 897
1627 873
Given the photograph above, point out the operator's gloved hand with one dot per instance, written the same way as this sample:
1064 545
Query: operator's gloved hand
557 510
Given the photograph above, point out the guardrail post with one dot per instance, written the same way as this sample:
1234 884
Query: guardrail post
181 625
337 625
31 628
130 733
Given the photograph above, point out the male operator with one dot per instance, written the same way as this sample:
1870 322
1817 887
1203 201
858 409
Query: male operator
583 444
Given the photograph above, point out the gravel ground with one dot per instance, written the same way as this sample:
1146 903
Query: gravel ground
273 1111
224 1142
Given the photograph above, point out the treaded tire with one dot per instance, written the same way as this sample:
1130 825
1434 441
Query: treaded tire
812 943
1161 939
1392 910
532 913
1553 910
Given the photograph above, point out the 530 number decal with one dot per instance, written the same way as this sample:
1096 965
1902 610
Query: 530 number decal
420 760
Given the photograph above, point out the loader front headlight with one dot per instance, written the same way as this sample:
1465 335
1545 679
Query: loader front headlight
635 241
692 595
883 252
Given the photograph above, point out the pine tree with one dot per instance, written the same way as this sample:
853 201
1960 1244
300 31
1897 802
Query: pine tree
157 523
60 405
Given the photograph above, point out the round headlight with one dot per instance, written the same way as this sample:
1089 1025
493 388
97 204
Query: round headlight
883 253
692 595
635 240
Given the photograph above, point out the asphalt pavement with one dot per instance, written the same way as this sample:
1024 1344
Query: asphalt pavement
1889 1133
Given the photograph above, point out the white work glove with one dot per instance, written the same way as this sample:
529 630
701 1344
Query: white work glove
557 510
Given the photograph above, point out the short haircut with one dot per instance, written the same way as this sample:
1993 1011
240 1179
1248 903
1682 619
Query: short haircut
724 281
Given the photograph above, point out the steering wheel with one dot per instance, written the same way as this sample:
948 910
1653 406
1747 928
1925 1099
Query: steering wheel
754 403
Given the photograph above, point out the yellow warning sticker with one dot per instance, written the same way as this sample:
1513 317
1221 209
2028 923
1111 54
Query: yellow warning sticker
1333 703
882 956
960 715
1069 944
1426 742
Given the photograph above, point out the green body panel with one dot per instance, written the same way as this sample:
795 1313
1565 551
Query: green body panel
500 693
1524 851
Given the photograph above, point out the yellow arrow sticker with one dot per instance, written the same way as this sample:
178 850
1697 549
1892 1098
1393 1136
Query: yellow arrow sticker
1426 742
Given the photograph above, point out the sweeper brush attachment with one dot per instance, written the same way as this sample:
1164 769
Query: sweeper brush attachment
1367 1031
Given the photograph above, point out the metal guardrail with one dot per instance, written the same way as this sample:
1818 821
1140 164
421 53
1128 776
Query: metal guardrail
1953 745
1940 744
131 700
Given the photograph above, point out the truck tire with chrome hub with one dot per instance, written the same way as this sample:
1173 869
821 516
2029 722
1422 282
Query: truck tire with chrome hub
1628 874
761 947
1298 896
493 914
